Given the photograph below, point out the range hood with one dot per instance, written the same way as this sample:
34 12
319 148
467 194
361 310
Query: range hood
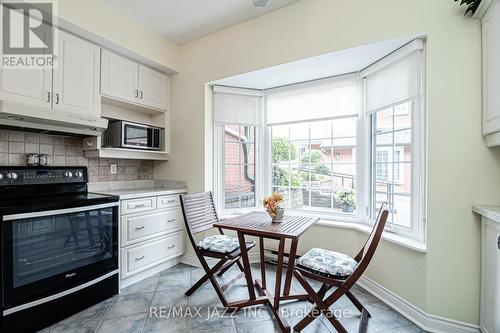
27 116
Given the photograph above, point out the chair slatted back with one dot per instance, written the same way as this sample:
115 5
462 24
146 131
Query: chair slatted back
371 244
199 211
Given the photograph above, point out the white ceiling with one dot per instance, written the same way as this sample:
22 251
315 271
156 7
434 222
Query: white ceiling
182 21
322 66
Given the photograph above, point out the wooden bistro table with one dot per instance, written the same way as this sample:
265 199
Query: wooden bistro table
259 224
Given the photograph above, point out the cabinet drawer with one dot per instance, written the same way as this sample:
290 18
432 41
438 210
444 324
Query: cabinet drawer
166 201
143 226
146 255
138 205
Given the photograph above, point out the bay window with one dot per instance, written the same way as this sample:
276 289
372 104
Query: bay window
336 148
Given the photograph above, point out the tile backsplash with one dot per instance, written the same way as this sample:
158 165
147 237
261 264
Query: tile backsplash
68 151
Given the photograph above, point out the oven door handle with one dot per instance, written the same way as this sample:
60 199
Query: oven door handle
58 211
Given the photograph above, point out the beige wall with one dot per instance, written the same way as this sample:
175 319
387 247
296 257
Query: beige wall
461 170
107 22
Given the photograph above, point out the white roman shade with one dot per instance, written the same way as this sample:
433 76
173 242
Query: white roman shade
236 106
315 100
393 79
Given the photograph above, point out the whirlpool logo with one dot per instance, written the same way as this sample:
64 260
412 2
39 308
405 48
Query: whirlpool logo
28 34
70 275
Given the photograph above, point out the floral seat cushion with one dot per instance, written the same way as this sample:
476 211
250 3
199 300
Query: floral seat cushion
334 264
219 243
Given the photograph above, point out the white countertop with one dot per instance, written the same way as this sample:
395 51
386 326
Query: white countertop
491 212
131 193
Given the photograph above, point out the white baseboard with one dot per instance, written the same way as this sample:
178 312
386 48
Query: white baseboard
192 260
425 321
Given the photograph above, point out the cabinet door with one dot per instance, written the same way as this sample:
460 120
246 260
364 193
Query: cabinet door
119 77
76 77
153 88
490 307
31 86
491 70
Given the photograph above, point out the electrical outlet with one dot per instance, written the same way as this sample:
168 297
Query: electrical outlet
112 169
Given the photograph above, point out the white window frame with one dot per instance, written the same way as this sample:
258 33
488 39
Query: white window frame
219 159
364 155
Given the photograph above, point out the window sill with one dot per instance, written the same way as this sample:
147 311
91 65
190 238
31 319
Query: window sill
388 236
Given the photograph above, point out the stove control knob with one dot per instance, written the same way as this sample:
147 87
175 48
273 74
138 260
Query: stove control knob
12 175
68 174
78 174
1 176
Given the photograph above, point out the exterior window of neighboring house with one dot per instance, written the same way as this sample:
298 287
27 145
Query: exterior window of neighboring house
382 169
239 166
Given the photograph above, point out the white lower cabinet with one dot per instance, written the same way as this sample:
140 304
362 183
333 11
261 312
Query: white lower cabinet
490 276
148 254
151 236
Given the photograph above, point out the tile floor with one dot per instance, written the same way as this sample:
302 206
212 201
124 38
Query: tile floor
130 311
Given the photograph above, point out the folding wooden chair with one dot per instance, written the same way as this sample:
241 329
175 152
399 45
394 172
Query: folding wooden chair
337 270
200 215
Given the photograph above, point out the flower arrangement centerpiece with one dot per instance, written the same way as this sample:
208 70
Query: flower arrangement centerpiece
272 205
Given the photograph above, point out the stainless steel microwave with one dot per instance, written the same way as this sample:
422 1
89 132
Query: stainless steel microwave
123 134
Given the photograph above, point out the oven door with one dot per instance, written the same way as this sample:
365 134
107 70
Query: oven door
45 253
139 136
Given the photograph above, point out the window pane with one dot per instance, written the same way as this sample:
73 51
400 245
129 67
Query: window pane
247 196
315 170
232 175
384 139
239 166
232 153
383 121
321 130
401 211
392 163
345 128
232 197
402 175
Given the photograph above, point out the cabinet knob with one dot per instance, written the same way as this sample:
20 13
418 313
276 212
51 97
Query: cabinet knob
498 242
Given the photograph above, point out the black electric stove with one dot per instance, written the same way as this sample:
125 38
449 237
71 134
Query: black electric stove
59 245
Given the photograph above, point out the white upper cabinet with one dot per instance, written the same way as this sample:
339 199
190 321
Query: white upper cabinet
119 77
72 85
27 86
491 74
153 88
128 81
76 77
32 86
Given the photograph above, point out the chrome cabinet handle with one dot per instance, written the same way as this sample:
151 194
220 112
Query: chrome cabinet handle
57 98
48 96
140 228
171 220
136 93
142 94
170 247
139 258
139 205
